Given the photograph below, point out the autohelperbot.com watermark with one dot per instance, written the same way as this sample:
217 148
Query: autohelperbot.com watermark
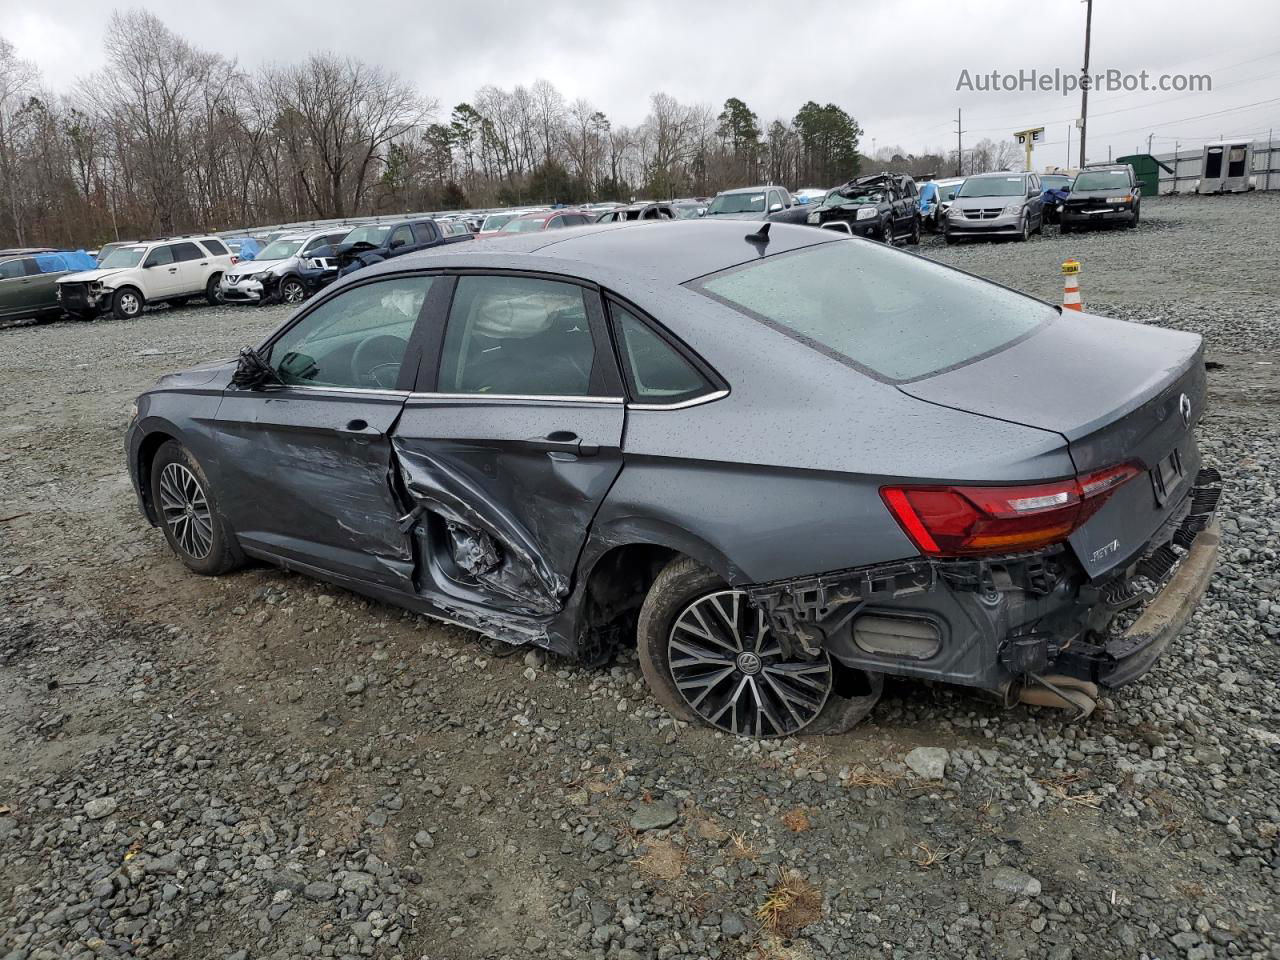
1111 81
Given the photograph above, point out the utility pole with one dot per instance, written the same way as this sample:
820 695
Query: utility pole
1068 166
1149 138
959 147
1084 78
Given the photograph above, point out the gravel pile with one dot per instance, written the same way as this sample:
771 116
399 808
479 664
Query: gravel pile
261 766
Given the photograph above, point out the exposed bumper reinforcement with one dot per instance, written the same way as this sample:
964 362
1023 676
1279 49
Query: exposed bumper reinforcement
1138 648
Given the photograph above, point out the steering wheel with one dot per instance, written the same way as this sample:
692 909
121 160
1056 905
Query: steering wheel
375 363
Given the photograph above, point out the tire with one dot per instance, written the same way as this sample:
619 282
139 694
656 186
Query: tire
211 291
181 497
914 239
1134 222
127 303
824 699
291 291
886 232
1025 234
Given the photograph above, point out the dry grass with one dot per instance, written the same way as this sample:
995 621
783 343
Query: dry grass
862 777
797 821
662 860
1059 787
740 848
930 857
792 904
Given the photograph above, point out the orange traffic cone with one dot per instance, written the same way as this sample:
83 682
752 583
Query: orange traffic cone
1071 285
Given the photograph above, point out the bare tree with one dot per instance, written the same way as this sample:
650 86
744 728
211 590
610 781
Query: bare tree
18 79
337 116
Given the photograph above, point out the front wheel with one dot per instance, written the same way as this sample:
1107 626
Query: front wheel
127 303
1134 222
188 513
292 291
1024 234
710 657
914 239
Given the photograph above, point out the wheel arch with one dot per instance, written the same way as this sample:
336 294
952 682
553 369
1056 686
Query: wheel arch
145 456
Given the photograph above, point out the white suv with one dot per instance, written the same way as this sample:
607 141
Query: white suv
150 271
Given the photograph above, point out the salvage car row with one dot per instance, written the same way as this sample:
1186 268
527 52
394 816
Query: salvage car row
289 266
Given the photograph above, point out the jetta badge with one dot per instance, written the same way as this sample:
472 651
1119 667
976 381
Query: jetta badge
1184 408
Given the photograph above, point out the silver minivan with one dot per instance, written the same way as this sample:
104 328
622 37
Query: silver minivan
996 205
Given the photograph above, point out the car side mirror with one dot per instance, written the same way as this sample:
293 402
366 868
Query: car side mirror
254 371
396 243
775 207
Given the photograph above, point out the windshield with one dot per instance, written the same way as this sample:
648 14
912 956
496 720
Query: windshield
993 187
371 235
897 316
1102 180
736 203
122 257
948 191
867 193
1055 183
524 226
280 250
495 221
689 212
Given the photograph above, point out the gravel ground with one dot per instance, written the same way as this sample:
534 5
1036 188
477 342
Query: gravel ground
262 766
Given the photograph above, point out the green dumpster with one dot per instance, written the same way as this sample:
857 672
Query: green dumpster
1147 170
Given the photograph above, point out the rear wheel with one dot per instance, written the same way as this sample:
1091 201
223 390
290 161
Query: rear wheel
914 239
213 289
188 513
127 303
710 657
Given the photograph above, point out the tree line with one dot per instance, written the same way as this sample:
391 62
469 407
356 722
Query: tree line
169 138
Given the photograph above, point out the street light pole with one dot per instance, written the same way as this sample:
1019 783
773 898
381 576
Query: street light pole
1084 78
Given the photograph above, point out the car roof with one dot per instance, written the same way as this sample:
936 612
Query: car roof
670 252
759 189
1000 173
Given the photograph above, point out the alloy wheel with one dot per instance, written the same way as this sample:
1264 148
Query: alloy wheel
292 292
731 671
129 303
186 510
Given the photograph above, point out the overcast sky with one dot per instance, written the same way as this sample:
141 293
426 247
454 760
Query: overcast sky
893 65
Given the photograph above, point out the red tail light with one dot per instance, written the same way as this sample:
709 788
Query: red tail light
234 259
948 521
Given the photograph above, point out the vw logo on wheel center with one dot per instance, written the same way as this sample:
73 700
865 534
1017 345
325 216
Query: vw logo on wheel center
748 662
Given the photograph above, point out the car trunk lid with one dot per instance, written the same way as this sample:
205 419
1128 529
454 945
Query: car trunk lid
1117 392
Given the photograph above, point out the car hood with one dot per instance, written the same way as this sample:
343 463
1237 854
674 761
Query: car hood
212 372
978 203
1101 194
91 276
249 267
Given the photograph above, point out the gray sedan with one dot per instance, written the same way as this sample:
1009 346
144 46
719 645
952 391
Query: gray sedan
785 463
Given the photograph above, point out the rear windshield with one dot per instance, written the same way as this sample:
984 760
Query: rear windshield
893 315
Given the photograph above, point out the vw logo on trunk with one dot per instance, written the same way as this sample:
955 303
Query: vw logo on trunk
1184 408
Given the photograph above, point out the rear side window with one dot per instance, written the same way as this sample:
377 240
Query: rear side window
892 315
215 246
187 251
517 335
11 269
426 232
656 372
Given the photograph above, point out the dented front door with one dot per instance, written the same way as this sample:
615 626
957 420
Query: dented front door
512 442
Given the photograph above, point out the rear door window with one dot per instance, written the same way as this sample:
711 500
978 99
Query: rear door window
12 269
187 251
401 236
517 336
426 232
656 371
889 314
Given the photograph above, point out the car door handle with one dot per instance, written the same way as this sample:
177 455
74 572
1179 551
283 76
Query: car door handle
564 441
173 269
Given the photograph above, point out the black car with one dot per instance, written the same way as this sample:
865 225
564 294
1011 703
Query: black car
783 461
374 242
883 206
1102 196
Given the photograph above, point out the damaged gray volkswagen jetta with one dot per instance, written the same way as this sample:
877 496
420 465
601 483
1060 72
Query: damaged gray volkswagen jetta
789 463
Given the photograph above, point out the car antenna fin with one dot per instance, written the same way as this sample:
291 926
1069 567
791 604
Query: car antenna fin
760 237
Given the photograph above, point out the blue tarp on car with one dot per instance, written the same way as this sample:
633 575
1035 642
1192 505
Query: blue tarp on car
249 247
73 260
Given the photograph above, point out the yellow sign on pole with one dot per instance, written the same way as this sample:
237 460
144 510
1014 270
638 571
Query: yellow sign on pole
1028 139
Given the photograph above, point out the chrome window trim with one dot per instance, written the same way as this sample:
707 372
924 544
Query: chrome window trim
316 388
549 398
683 404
